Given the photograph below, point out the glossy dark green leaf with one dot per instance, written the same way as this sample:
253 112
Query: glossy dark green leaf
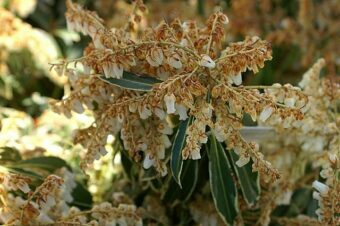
49 163
176 161
189 178
132 81
222 186
82 198
248 180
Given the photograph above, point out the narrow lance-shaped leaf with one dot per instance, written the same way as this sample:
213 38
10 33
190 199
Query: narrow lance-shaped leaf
189 177
49 163
82 198
248 180
132 81
176 151
222 185
9 154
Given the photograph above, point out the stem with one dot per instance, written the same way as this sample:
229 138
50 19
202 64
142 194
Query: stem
270 87
162 43
234 54
211 34
188 75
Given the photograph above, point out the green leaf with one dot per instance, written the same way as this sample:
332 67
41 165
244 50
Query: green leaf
49 163
132 81
298 204
9 154
27 173
149 174
248 180
299 201
126 163
222 185
189 179
313 205
82 198
176 161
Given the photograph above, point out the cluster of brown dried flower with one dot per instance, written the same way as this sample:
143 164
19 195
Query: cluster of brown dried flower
199 78
315 139
50 203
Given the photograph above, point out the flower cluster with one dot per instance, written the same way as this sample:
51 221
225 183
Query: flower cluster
50 204
13 37
311 21
15 182
198 78
314 139
327 193
40 203
21 7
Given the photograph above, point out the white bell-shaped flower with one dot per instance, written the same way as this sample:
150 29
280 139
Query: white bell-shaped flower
195 154
148 162
144 112
161 152
117 70
289 102
175 61
44 219
321 187
166 141
155 57
181 111
237 79
107 68
266 113
160 113
164 128
206 61
316 195
170 103
77 107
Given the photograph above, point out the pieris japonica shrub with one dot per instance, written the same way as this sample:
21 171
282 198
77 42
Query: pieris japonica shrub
171 102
